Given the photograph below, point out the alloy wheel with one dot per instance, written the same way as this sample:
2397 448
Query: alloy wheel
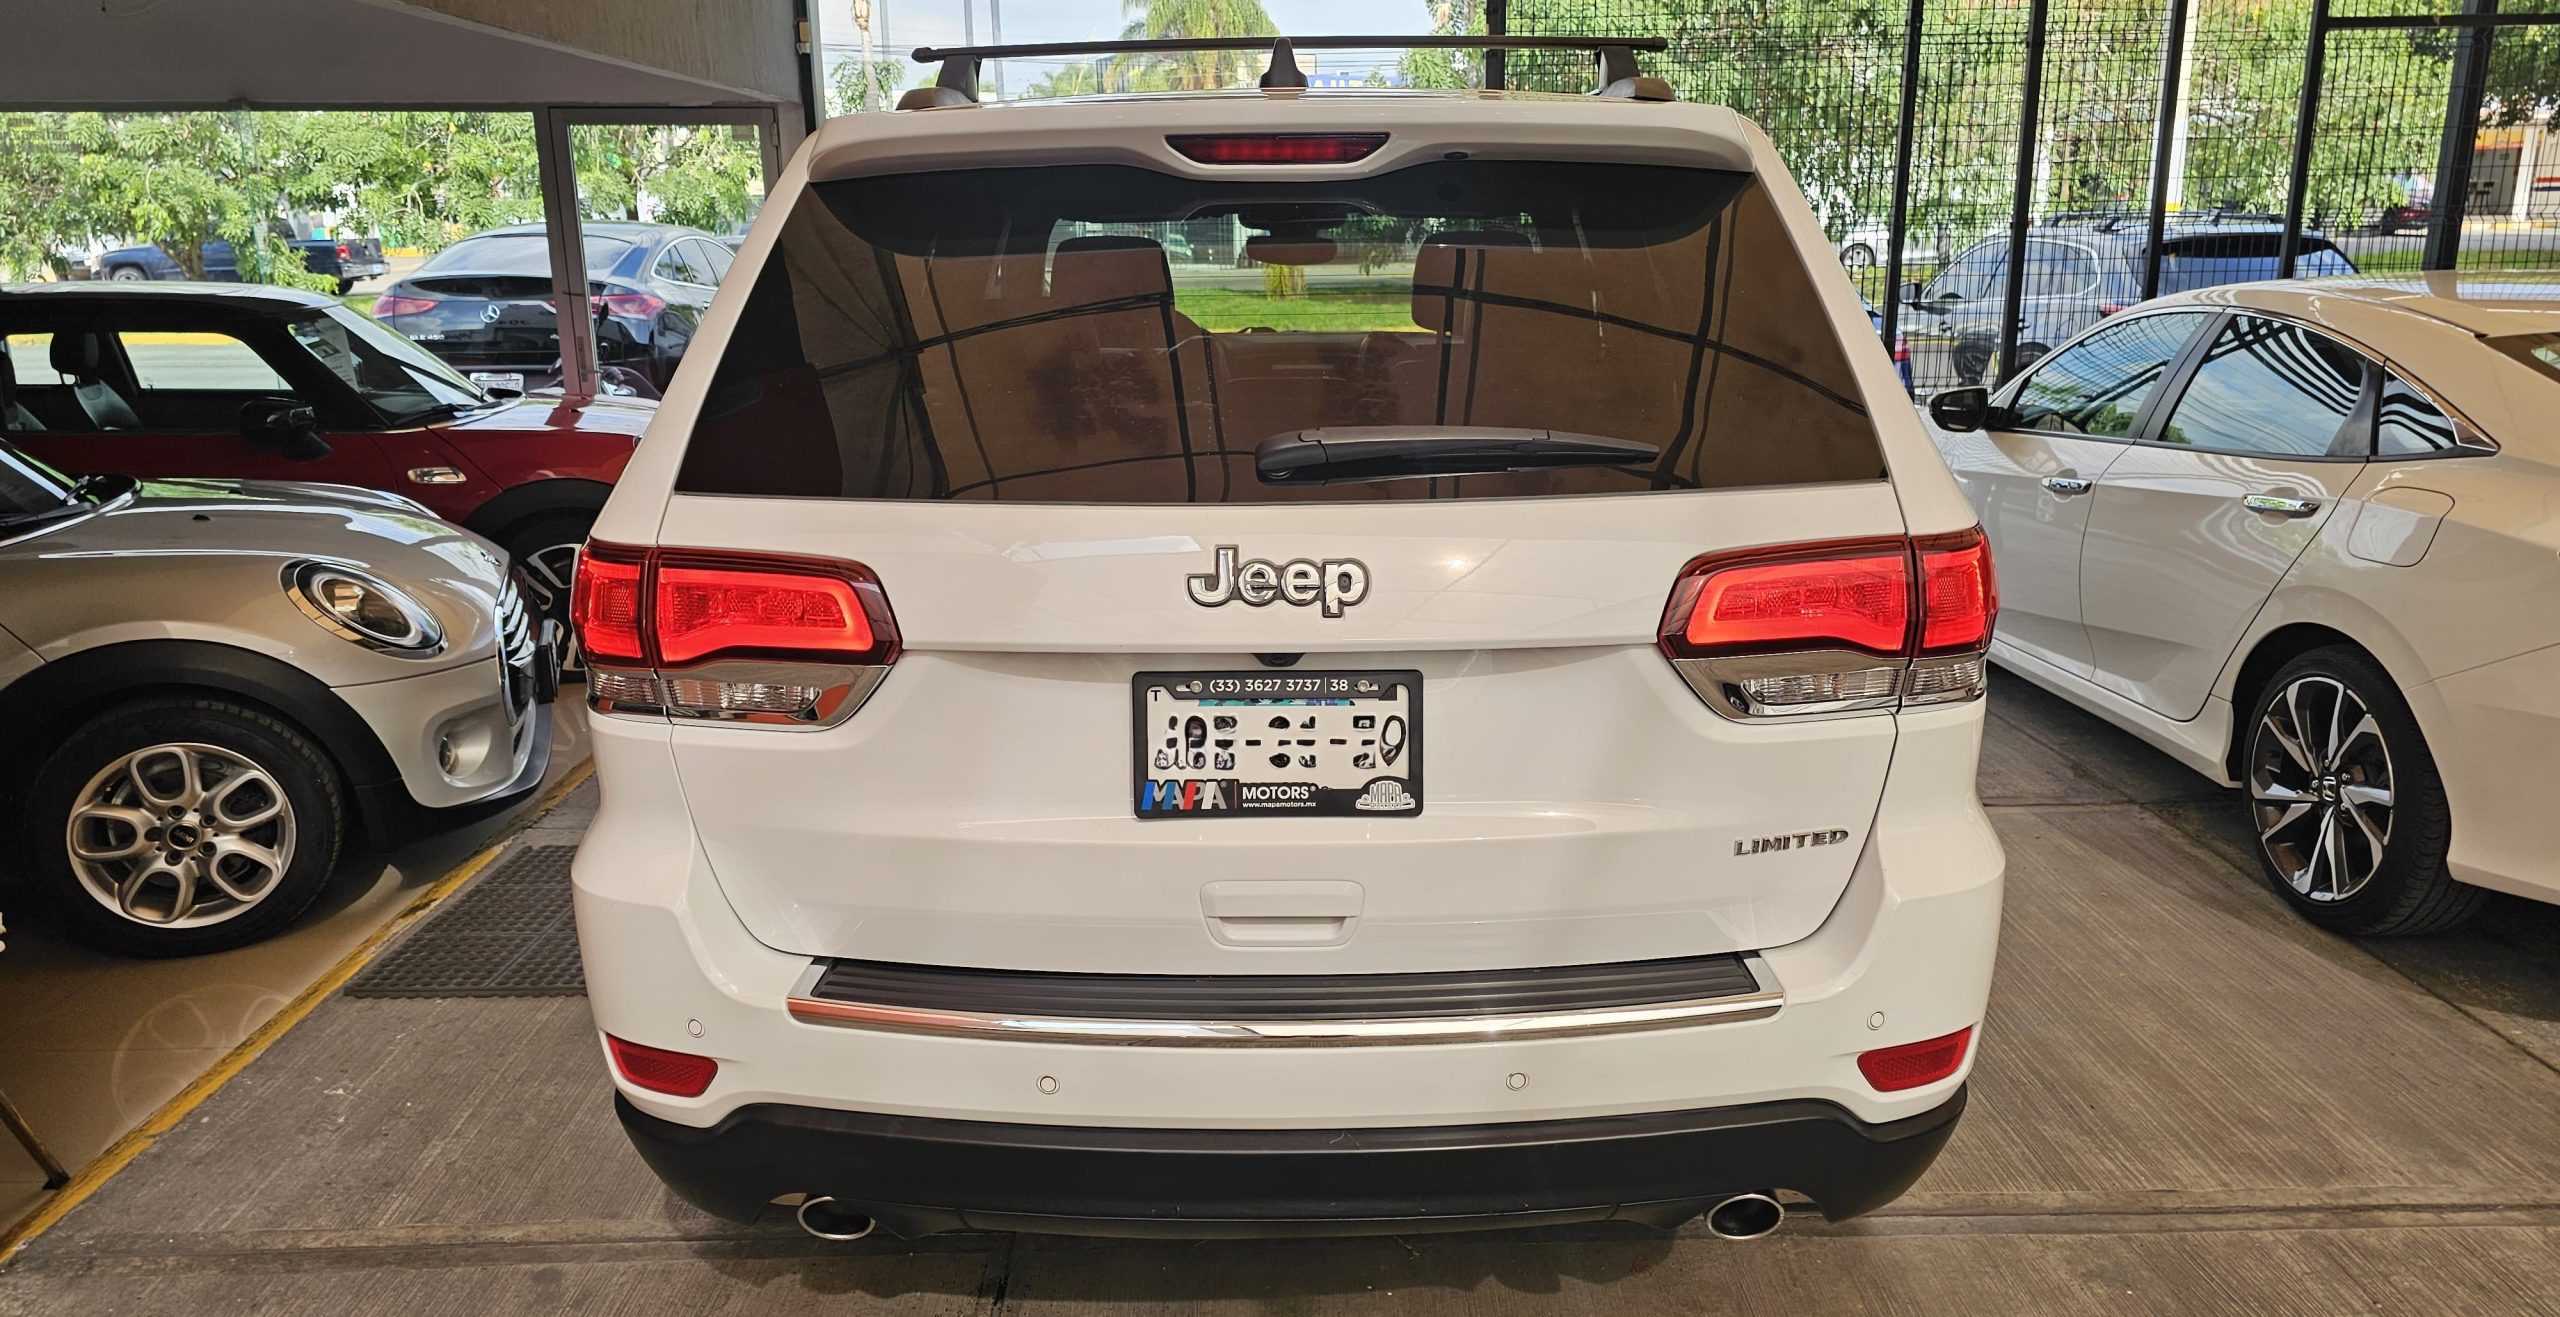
2320 788
181 835
548 572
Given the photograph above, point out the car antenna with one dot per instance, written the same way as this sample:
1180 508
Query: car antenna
1284 70
1619 78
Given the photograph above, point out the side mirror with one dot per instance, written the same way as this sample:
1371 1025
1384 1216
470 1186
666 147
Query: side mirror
1961 411
286 427
1909 295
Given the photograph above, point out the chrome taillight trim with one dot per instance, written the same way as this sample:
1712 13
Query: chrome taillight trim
1720 683
1969 673
640 693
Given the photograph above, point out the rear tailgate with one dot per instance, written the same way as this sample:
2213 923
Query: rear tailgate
988 388
1580 804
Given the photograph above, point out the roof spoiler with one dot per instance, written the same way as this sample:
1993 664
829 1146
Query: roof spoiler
957 83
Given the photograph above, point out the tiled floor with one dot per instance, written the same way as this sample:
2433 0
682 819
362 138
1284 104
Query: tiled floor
96 1043
2188 1101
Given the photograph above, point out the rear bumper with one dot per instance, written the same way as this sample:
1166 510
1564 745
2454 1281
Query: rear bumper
917 1176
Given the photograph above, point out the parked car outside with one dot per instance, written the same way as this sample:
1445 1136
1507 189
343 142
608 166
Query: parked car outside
346 260
1863 247
162 380
2299 536
484 303
1901 342
1045 677
2081 271
210 686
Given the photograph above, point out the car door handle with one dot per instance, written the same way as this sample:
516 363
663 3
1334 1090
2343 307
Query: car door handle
2281 505
2067 486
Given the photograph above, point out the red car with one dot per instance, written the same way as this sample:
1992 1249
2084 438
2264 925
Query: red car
161 380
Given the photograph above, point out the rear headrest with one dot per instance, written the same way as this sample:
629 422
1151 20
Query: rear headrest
76 354
1108 269
1438 272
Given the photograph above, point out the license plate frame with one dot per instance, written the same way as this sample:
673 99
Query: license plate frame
1325 710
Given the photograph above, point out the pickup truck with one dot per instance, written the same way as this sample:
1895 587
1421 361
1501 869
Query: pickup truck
345 259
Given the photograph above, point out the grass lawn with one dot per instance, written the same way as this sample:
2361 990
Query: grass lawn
2387 262
1325 309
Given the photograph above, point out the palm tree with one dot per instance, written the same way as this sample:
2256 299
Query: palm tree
1199 70
1082 78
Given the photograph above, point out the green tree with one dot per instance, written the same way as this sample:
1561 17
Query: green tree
1082 78
673 173
178 180
417 178
1449 68
1197 70
863 84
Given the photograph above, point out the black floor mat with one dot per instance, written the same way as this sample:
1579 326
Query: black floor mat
509 935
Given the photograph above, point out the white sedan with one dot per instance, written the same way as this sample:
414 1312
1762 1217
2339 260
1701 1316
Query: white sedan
2302 537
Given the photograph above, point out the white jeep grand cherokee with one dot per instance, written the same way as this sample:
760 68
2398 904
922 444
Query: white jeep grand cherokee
1457 708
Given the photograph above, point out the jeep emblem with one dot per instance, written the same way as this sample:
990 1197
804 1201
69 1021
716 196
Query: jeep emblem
1336 583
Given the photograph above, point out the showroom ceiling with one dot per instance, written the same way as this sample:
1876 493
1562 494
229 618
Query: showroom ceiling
286 54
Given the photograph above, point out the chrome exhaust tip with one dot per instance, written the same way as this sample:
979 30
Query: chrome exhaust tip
825 1218
1746 1216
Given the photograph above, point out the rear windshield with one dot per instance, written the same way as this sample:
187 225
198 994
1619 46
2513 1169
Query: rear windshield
2540 351
1109 334
2210 260
519 253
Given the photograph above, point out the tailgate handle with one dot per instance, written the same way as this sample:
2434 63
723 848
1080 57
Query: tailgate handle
1295 913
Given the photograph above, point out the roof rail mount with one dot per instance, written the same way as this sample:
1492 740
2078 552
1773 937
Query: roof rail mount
957 83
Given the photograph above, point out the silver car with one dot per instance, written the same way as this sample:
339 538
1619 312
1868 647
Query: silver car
206 686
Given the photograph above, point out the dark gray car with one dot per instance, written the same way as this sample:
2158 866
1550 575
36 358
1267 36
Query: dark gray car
2080 270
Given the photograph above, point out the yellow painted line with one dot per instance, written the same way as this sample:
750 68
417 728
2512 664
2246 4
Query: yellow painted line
171 1114
149 338
170 338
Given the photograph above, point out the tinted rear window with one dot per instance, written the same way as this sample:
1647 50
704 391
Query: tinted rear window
519 253
1108 334
2210 260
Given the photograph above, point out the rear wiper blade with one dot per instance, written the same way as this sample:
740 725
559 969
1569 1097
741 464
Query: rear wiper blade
1351 453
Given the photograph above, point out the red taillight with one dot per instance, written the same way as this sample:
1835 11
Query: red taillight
1902 349
1818 597
1910 1065
678 1074
342 251
632 306
1834 628
1959 597
392 304
605 604
741 637
751 607
2110 308
1276 148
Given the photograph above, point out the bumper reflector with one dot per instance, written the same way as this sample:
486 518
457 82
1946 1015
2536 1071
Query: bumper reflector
1910 1065
678 1074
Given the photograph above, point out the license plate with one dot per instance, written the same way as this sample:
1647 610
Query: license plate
499 379
1268 744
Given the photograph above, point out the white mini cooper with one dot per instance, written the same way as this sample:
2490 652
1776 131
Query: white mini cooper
1457 708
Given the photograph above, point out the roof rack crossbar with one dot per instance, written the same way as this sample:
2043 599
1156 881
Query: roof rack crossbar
1405 41
957 84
